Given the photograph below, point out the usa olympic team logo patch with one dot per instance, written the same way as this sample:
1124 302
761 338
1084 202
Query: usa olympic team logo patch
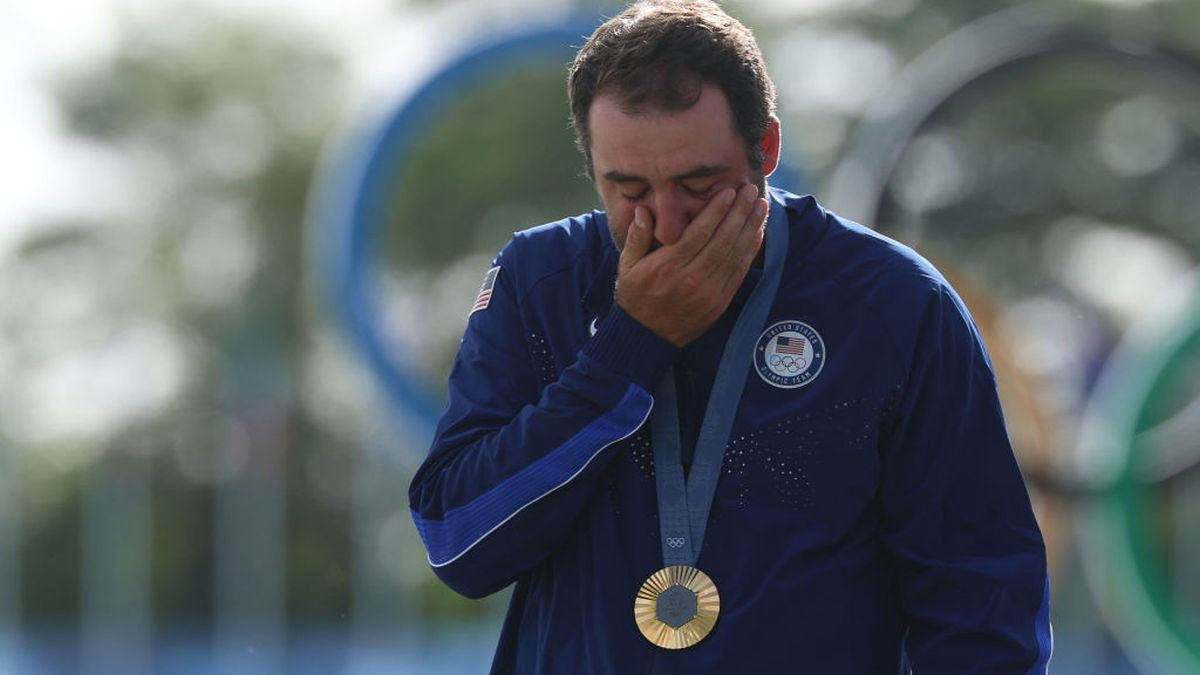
789 354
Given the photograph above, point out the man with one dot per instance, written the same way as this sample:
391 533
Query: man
716 428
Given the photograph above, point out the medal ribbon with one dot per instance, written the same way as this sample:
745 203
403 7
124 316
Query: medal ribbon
683 506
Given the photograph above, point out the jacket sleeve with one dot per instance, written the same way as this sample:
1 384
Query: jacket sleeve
514 461
971 563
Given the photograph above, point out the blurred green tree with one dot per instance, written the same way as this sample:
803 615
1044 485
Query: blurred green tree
216 124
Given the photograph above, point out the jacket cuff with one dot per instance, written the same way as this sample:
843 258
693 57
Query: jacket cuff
630 350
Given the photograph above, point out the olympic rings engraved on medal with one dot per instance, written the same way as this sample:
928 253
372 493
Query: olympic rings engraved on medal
676 542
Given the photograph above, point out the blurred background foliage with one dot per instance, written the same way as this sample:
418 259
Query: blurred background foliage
186 319
189 444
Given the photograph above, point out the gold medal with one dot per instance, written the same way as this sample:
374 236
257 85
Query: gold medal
677 607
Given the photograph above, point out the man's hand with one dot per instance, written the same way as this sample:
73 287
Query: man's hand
678 291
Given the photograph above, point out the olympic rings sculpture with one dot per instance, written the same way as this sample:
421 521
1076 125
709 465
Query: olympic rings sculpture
1125 575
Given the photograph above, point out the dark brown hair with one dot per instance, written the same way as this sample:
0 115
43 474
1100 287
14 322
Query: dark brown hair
657 55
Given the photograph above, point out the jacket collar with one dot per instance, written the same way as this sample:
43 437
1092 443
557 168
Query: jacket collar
599 296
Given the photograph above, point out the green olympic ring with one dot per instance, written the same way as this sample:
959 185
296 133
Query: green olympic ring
1123 568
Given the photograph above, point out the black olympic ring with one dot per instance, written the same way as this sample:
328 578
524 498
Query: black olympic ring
791 364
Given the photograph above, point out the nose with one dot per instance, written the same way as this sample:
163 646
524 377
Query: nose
672 214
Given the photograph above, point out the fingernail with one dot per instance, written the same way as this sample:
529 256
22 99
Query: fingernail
727 195
760 209
751 193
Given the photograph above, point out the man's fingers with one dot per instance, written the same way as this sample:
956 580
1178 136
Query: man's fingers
698 232
735 220
749 238
745 248
638 239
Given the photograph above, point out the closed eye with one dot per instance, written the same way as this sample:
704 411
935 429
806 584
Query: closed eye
701 193
636 198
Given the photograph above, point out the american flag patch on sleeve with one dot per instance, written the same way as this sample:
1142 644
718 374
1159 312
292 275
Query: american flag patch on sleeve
485 291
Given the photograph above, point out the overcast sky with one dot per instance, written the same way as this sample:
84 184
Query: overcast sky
44 173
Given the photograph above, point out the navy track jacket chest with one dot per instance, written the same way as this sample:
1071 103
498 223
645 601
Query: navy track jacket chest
872 514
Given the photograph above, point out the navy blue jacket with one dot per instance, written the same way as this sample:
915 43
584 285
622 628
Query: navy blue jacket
872 512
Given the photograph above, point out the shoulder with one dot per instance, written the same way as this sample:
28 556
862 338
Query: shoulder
879 284
546 251
838 248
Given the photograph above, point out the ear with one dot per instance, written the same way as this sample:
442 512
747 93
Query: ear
771 143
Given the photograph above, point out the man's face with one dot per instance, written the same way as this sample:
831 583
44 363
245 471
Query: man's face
671 163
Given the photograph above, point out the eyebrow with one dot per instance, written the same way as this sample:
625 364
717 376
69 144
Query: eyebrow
698 172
